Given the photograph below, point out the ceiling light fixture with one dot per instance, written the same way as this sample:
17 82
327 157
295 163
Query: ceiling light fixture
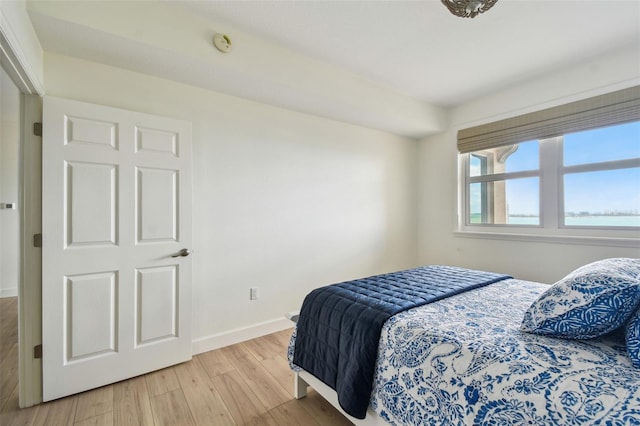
468 8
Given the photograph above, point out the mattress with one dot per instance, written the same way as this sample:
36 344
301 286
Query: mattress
463 360
339 325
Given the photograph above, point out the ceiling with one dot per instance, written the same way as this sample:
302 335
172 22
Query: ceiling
412 56
423 51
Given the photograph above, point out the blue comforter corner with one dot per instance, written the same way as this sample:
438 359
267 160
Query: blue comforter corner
339 325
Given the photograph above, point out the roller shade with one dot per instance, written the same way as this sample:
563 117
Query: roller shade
618 107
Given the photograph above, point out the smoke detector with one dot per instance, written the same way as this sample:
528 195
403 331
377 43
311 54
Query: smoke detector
222 42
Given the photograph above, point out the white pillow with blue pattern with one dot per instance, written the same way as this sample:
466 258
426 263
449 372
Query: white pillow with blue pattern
591 301
632 336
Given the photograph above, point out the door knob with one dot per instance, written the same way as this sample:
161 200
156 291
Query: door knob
182 253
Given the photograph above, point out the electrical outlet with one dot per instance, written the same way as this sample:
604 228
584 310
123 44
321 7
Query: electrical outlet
253 293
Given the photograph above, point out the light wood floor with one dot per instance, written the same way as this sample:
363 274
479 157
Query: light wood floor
249 383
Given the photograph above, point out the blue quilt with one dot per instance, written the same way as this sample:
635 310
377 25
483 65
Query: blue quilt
339 326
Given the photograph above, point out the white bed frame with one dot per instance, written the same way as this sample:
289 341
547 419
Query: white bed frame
304 379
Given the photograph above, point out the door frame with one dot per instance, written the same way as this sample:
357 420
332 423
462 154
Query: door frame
15 61
30 286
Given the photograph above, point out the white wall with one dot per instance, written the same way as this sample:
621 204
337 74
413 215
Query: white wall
282 200
9 224
438 175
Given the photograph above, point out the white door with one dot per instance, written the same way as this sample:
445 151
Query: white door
116 199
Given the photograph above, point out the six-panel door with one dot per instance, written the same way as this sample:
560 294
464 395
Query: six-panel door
116 210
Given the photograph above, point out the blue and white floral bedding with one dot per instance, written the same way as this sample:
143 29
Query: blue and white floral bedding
464 361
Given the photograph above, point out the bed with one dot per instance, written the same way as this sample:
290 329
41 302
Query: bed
470 359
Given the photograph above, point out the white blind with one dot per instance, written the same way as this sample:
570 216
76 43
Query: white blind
618 107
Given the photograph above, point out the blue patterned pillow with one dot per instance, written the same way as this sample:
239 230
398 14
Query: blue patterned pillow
591 301
633 338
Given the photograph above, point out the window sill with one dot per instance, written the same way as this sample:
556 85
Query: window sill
553 239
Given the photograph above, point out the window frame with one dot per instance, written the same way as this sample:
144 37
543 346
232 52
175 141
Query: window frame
552 228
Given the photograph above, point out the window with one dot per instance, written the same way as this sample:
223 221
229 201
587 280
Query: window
504 185
601 177
584 181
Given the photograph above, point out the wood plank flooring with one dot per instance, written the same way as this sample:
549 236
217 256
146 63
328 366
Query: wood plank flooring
249 383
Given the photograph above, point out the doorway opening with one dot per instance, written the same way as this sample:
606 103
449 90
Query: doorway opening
10 108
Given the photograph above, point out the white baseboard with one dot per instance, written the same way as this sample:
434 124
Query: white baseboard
231 337
9 292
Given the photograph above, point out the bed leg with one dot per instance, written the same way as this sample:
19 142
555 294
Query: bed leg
299 386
